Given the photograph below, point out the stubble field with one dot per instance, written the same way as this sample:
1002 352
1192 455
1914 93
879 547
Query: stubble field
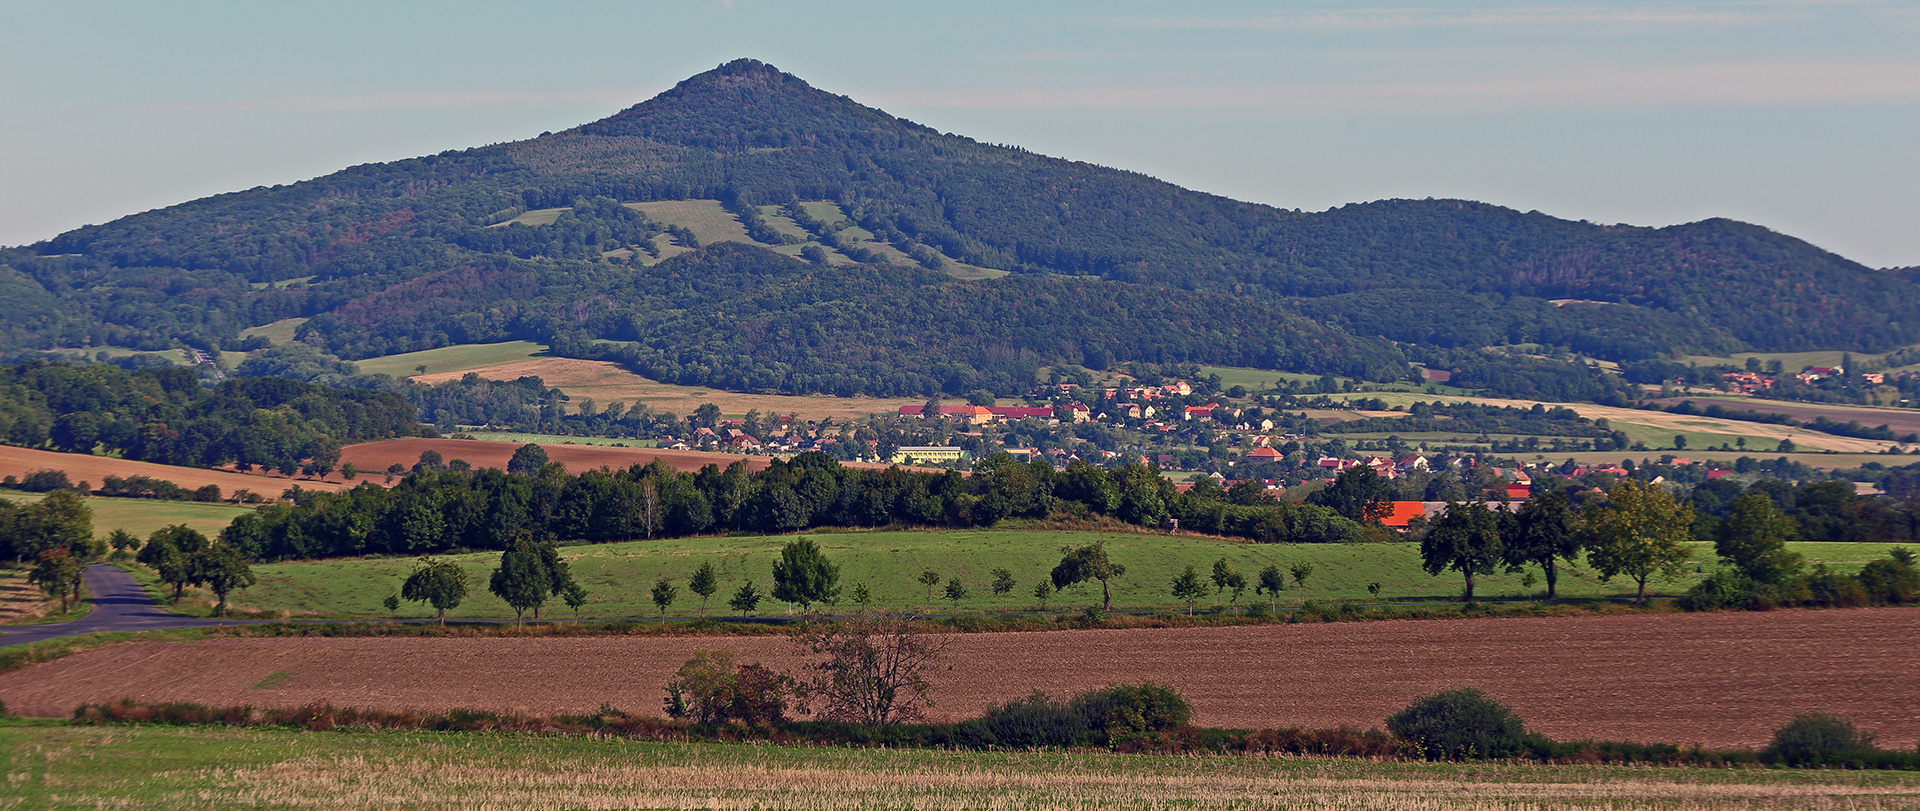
1720 680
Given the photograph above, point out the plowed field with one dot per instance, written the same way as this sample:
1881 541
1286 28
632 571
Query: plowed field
1714 679
94 469
374 457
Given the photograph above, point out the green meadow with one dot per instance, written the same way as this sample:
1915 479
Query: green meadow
458 358
141 516
619 576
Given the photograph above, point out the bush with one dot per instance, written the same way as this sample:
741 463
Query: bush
1125 711
710 689
1460 724
1816 738
44 481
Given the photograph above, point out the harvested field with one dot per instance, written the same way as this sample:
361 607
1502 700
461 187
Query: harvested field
1721 680
1901 421
606 382
94 469
374 457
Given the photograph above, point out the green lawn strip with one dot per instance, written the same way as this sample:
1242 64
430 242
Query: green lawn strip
55 764
141 516
618 576
458 358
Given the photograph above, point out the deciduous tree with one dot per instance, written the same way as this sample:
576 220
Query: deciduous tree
1638 532
803 575
704 582
1090 562
1466 539
1188 587
439 583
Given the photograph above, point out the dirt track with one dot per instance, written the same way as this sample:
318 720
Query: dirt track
1713 679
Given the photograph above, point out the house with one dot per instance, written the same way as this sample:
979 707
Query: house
1397 514
1204 412
1518 492
1330 464
1079 412
1263 455
1409 464
928 454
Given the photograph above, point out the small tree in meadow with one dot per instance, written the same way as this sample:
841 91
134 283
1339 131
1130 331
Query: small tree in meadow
664 591
1272 582
704 582
1041 591
929 578
1189 587
1300 571
1002 582
746 600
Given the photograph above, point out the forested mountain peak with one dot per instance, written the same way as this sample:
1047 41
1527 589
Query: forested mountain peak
571 237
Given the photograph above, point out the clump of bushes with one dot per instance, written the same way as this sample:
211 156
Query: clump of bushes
1818 739
1460 724
711 689
1110 716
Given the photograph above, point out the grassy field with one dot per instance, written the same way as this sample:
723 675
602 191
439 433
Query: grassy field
538 216
708 221
618 576
141 516
1790 361
52 764
276 333
450 359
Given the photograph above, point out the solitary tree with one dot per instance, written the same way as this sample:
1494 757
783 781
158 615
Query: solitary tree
956 591
528 460
1754 538
704 582
664 591
871 670
523 579
1041 591
1639 532
1300 571
1002 582
1189 587
1080 564
862 593
223 568
1545 531
746 600
1354 493
575 595
803 575
1272 581
439 583
1466 539
929 578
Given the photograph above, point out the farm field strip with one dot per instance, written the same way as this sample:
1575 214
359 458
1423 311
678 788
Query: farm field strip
17 461
607 382
450 360
1722 680
161 767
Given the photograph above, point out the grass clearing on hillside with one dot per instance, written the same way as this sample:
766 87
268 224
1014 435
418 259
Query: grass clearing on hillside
52 763
707 219
278 333
451 359
538 216
618 576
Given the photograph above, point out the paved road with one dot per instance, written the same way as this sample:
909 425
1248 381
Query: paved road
119 604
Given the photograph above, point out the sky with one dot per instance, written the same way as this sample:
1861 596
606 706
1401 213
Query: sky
1803 117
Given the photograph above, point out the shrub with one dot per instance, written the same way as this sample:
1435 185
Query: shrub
1125 711
1891 580
43 481
712 690
1030 723
1816 738
1460 724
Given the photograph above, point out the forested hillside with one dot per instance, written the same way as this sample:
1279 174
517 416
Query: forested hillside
1107 265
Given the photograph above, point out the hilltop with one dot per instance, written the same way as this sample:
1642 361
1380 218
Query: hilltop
820 245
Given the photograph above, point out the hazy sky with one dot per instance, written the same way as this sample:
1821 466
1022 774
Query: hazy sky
1803 117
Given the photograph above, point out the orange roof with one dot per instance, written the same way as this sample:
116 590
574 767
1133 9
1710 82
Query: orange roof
1397 513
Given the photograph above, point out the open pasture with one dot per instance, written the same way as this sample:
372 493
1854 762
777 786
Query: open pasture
1721 680
173 767
448 362
707 219
277 333
606 382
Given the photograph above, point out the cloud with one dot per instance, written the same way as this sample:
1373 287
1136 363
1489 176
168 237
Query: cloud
1699 86
414 101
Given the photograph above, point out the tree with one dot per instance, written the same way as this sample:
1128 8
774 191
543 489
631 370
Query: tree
56 573
1466 539
862 593
1354 493
664 591
575 596
524 579
528 460
1272 581
1638 532
956 591
1753 539
392 604
1189 587
1002 582
803 575
1080 564
1545 531
872 670
704 582
1679 442
1041 591
1223 577
439 583
746 600
169 551
1300 571
929 578
222 568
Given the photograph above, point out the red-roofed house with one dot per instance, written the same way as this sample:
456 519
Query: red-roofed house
1396 514
1262 455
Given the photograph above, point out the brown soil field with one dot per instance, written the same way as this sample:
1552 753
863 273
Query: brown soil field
1720 680
606 382
374 457
94 469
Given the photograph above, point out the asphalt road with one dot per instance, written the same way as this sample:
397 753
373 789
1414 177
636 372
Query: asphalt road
119 604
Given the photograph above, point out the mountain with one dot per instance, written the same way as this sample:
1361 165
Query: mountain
551 239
